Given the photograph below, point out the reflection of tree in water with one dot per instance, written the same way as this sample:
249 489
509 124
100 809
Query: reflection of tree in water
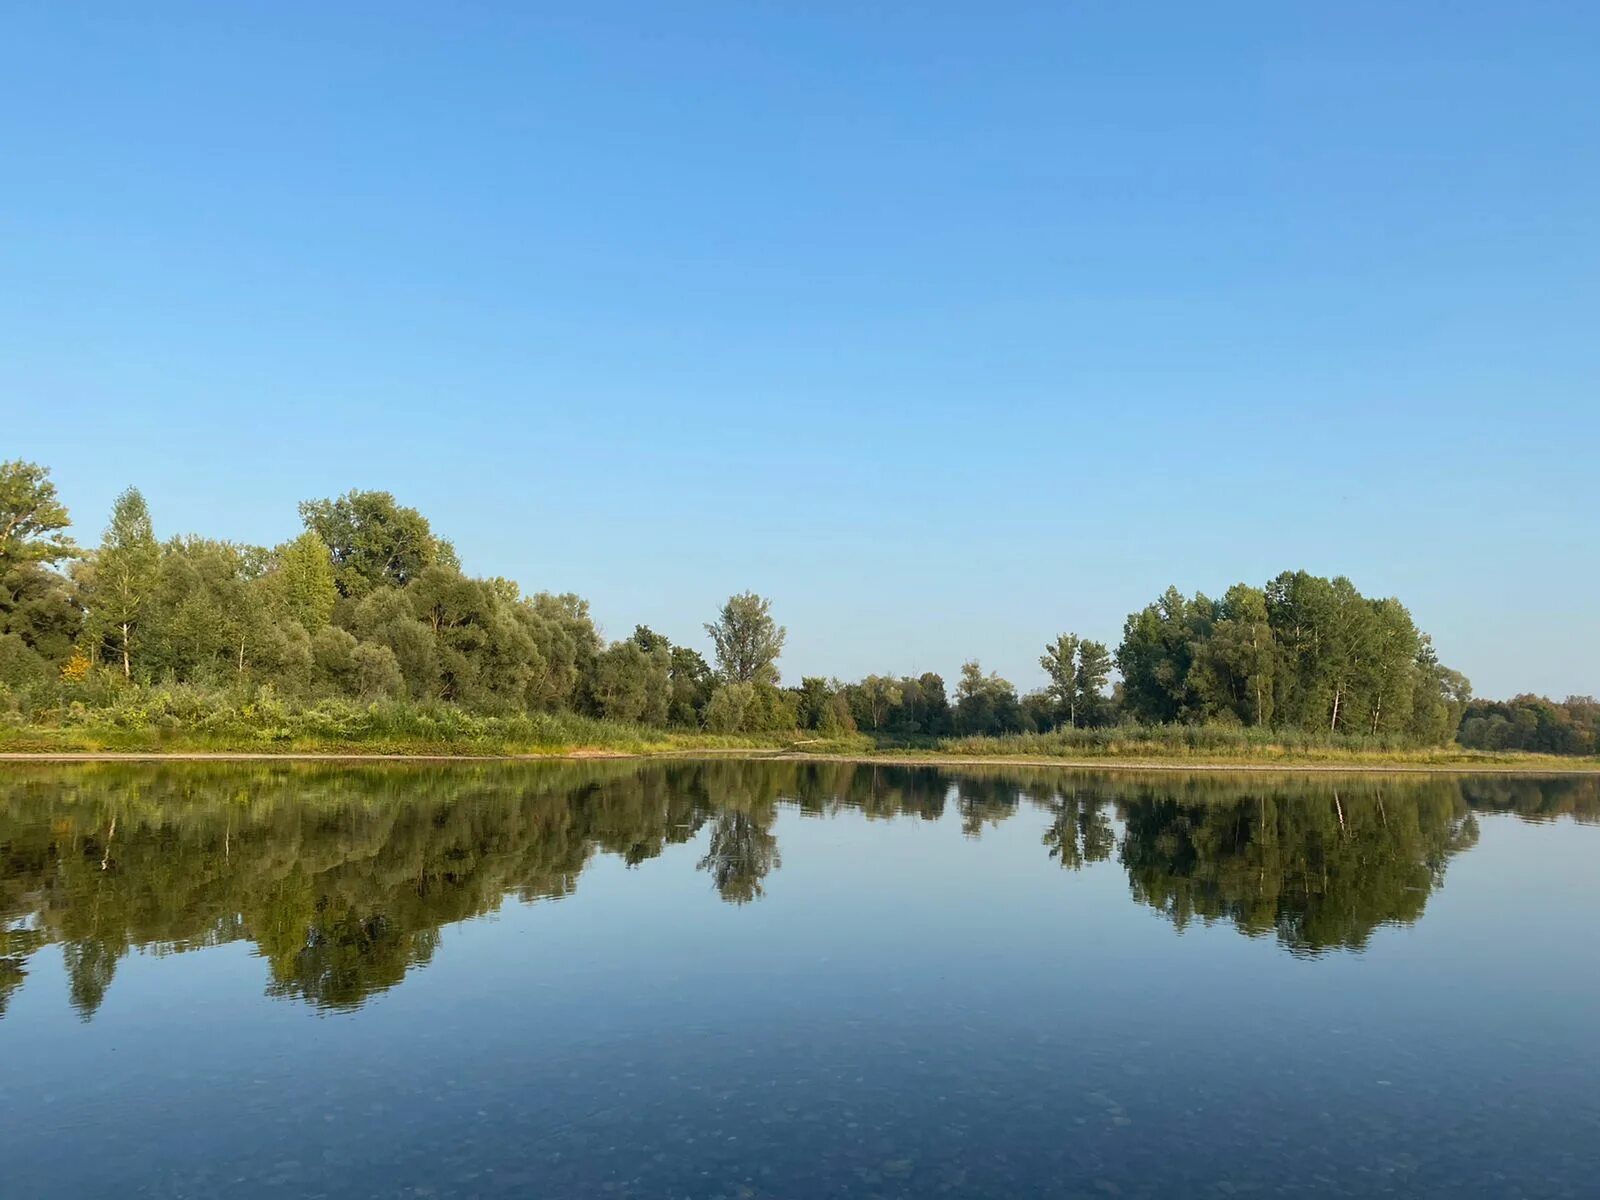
1320 870
343 879
1575 796
1081 832
742 849
986 800
741 853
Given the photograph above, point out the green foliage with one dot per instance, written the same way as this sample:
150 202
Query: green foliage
751 708
748 640
1206 742
1060 663
986 704
1094 670
31 517
632 683
41 608
124 577
301 582
20 666
823 705
369 605
1078 670
1304 653
375 541
1534 724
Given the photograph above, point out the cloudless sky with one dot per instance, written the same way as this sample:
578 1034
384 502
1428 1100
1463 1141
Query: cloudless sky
949 327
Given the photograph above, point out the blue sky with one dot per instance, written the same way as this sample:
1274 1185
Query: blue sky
947 326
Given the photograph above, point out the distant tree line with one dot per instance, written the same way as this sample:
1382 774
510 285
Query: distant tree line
367 603
1533 723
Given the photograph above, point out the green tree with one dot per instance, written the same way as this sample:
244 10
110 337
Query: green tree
1060 663
925 707
986 704
875 700
1156 653
486 656
689 678
748 641
204 617
125 573
730 708
567 643
39 607
1089 681
373 541
632 683
31 517
303 581
692 684
822 705
1233 670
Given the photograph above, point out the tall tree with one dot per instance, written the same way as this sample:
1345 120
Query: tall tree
986 704
1232 673
31 518
375 541
1089 682
304 580
1156 653
125 573
748 641
1060 663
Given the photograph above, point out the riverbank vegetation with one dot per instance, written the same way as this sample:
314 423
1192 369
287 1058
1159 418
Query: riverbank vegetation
362 632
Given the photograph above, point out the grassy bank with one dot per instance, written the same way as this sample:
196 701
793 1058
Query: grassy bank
1223 745
183 720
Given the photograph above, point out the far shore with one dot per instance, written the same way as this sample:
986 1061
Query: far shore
1539 766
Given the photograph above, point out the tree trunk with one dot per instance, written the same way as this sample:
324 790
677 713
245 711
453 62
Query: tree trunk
127 668
1334 724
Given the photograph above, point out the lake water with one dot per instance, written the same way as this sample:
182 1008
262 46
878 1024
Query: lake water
763 979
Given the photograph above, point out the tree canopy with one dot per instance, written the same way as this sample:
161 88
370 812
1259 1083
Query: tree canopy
368 603
32 519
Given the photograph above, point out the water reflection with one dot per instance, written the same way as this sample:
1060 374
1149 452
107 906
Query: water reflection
343 878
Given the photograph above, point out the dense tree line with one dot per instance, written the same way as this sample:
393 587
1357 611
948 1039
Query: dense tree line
368 603
1533 723
1303 652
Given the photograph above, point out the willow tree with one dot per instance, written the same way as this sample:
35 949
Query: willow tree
375 541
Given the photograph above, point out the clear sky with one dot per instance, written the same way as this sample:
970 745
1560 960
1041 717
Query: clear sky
947 326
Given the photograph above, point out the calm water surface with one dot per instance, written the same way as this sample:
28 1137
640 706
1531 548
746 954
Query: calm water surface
740 979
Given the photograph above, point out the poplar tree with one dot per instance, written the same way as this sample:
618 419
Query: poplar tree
1059 661
125 572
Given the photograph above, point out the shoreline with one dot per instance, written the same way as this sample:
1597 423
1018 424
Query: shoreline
890 759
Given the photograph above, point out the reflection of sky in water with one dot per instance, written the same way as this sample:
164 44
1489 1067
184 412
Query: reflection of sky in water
906 1011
